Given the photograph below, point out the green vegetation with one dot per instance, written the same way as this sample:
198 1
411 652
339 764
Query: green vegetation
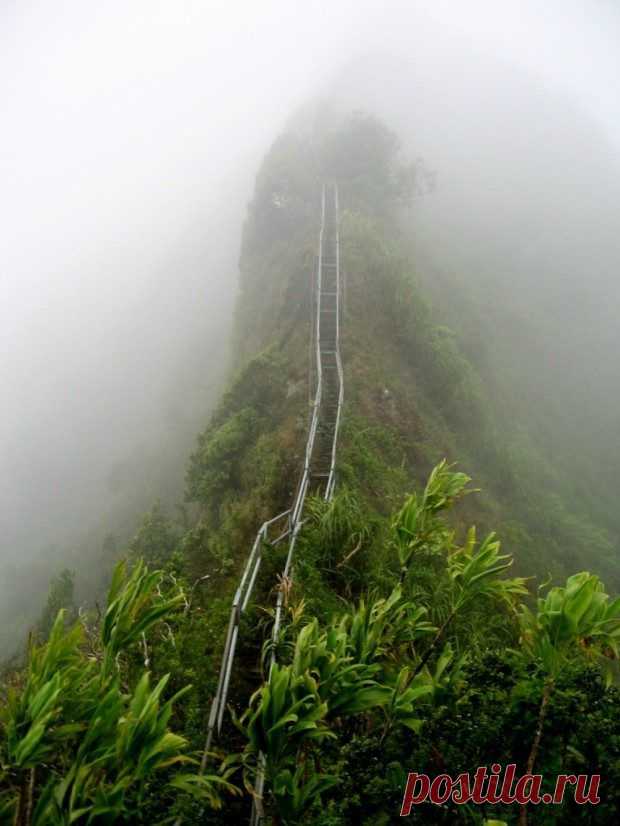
85 732
379 675
408 641
60 597
437 663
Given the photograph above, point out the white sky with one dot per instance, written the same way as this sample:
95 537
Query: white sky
125 122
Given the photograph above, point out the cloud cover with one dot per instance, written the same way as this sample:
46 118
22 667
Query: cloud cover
131 133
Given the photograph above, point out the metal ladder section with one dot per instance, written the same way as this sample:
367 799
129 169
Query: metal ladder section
323 467
319 467
319 474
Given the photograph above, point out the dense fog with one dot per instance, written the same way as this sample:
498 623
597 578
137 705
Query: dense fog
131 135
522 216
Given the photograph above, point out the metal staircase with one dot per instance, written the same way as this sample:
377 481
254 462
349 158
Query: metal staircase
328 351
318 474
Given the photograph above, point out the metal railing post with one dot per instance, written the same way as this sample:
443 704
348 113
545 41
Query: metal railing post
294 516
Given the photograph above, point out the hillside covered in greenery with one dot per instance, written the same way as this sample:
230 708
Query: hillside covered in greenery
434 623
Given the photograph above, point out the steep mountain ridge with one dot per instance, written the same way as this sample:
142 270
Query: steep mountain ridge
418 383
405 644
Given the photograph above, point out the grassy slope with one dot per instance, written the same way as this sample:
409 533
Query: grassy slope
411 377
412 397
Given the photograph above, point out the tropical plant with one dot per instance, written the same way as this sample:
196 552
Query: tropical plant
577 620
446 674
474 574
343 670
285 714
380 627
401 707
83 739
417 524
296 790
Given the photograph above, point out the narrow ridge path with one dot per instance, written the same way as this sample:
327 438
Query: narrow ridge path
319 471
